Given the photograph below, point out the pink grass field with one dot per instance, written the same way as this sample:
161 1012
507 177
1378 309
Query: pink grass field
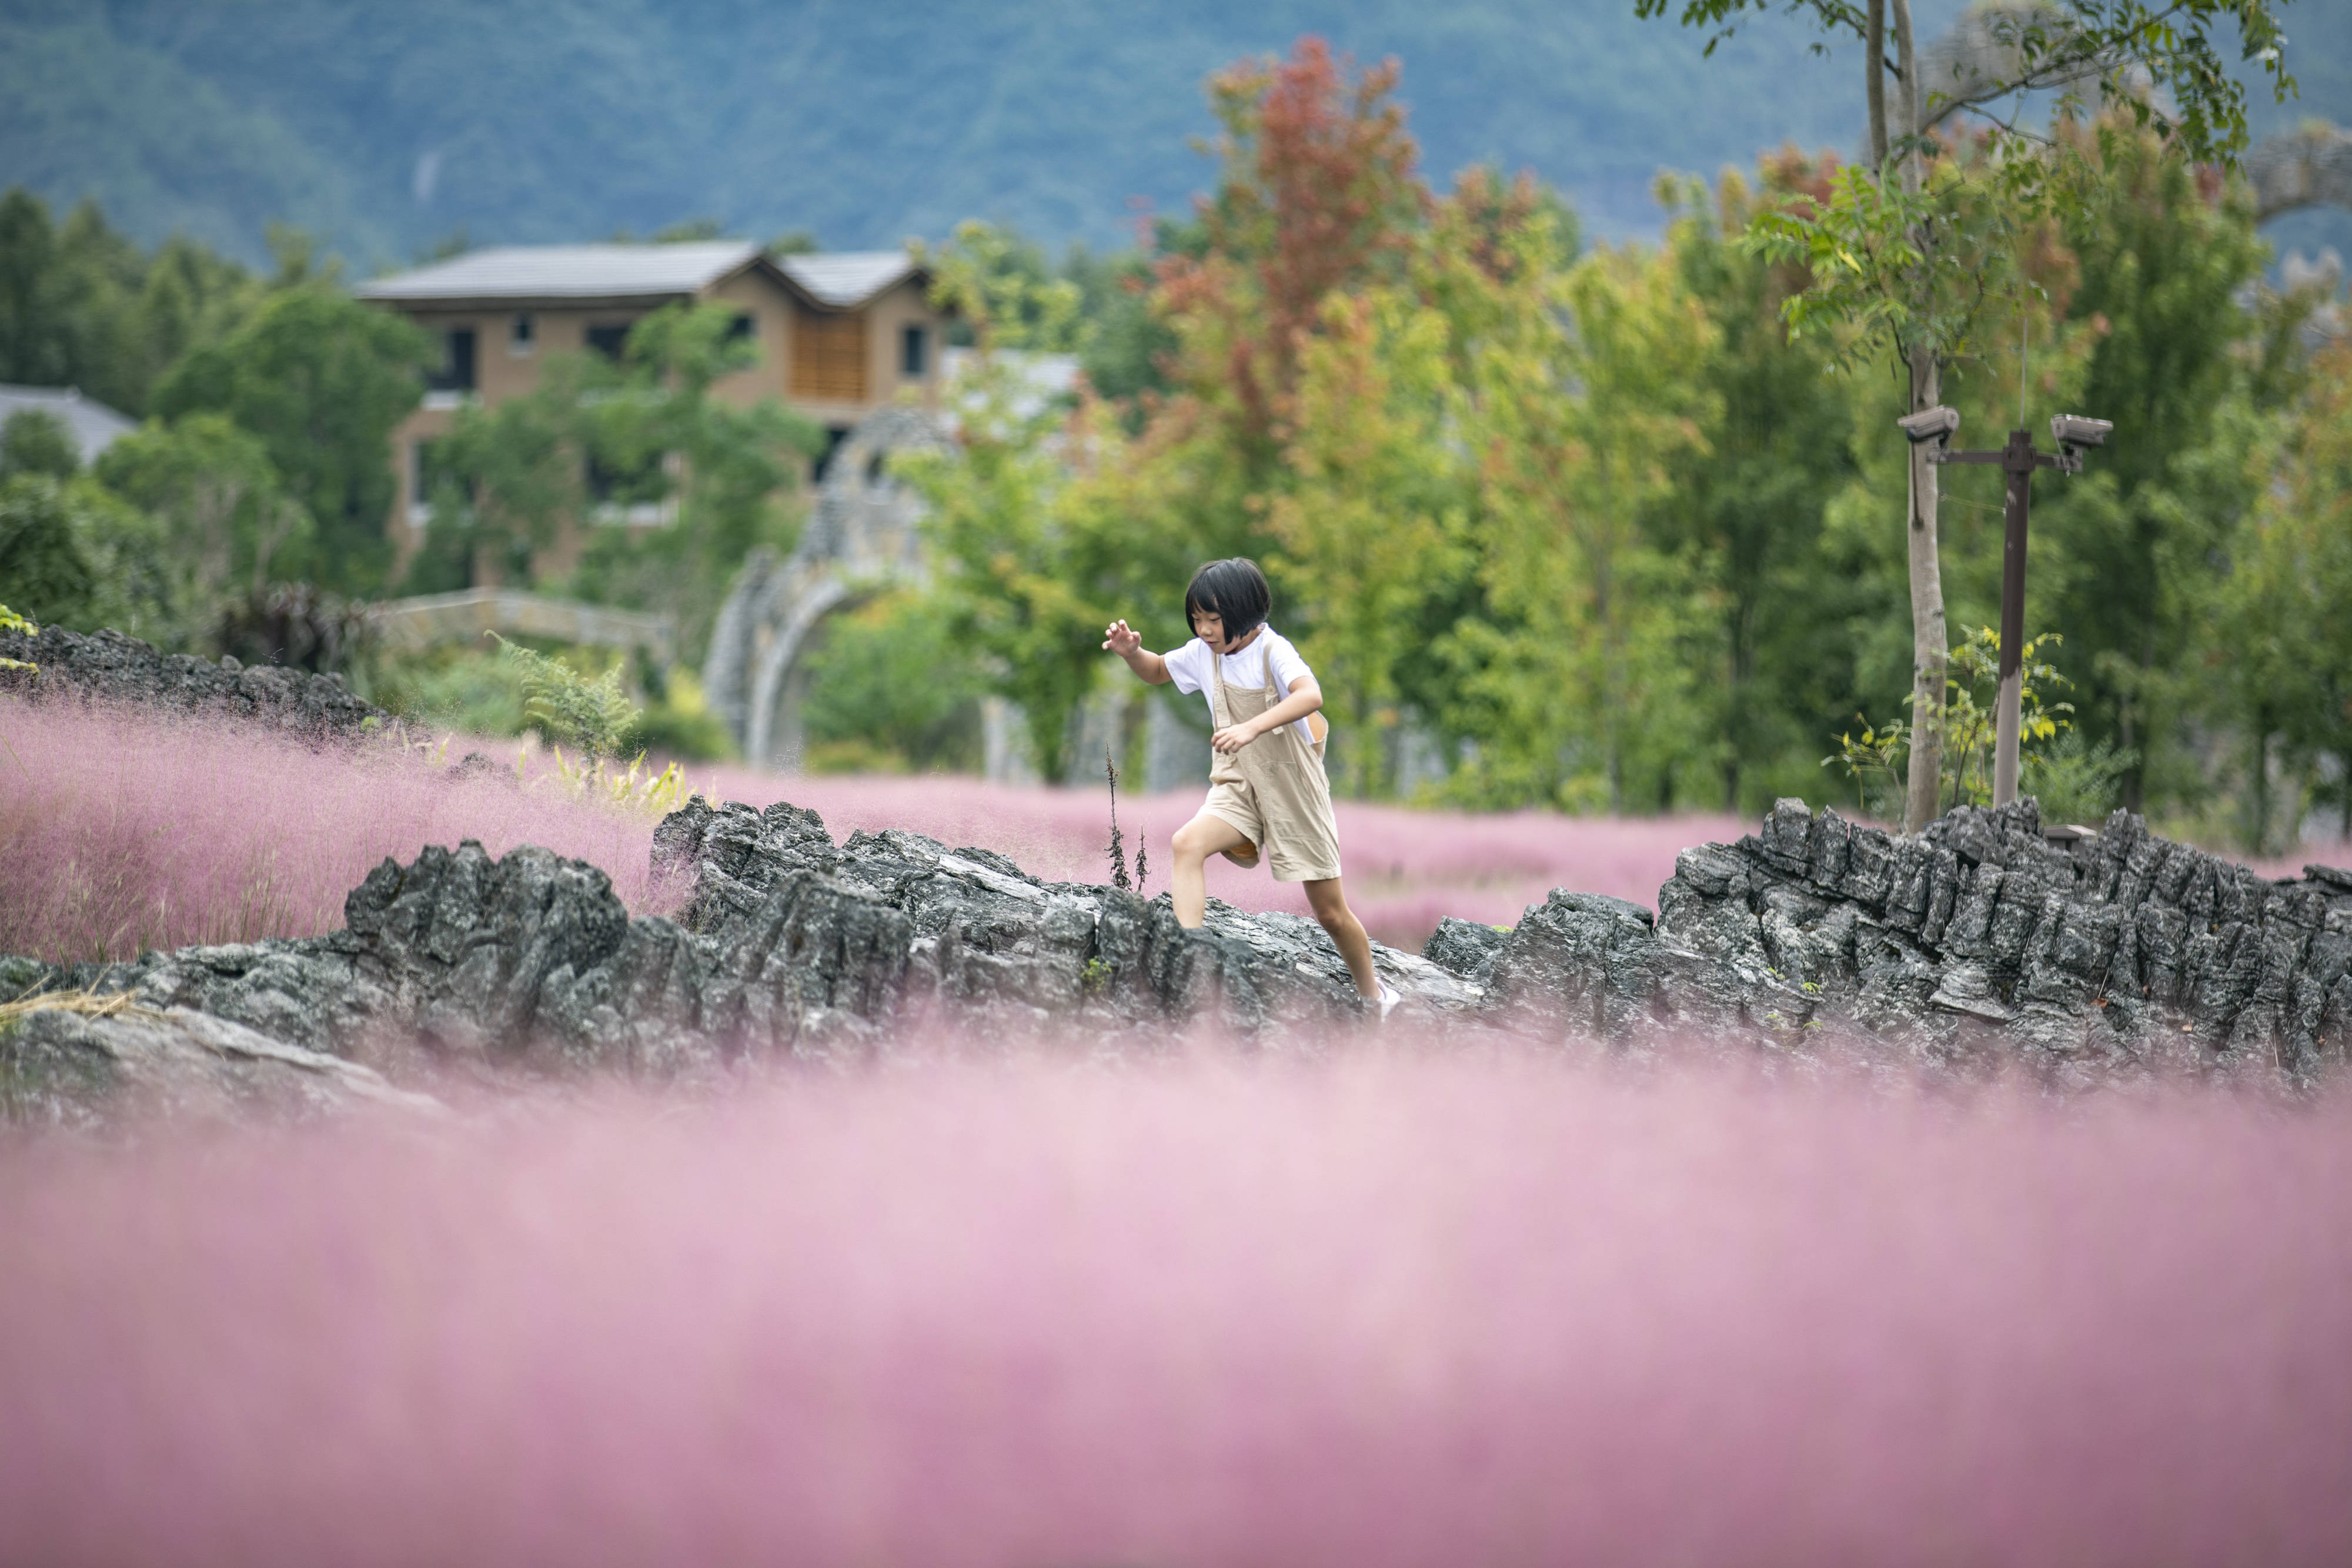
124 833
120 833
1395 1309
1404 1303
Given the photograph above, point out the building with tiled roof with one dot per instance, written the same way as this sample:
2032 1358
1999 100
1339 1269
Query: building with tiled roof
838 335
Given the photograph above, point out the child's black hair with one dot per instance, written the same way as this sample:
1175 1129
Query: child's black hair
1235 592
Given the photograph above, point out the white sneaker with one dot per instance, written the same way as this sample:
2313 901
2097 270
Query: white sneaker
1388 998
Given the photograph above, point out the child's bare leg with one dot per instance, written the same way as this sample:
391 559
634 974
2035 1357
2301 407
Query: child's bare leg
1195 842
1331 906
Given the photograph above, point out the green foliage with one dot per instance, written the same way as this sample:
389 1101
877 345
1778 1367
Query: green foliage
227 524
2075 780
2078 776
37 441
473 691
1872 759
12 622
1890 268
1032 548
322 379
891 687
2278 655
720 477
566 708
2189 378
2172 47
73 554
80 306
1751 516
1968 713
675 721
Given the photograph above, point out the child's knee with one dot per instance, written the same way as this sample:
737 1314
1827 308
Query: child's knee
1194 842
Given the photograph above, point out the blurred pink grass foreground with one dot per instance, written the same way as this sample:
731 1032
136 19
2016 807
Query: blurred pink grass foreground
1394 1311
126 832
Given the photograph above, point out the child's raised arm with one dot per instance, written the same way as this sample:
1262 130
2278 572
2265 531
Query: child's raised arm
1128 643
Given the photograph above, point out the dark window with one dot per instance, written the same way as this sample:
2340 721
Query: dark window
609 340
522 334
456 372
741 328
914 352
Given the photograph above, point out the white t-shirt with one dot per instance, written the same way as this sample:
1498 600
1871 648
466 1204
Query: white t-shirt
1188 666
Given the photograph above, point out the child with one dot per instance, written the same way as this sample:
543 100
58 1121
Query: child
1265 775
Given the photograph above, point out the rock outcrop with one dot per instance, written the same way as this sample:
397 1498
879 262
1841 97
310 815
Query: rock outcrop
108 667
1984 939
68 1068
1982 944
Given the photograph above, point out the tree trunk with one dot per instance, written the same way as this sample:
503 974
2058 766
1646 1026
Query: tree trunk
1929 639
1907 84
1928 643
1874 46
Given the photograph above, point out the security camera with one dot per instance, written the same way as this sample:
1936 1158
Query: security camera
2072 430
1934 424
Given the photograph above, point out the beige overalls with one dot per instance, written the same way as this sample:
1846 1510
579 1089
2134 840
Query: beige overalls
1272 792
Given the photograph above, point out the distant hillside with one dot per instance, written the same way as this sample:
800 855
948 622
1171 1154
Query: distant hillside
387 128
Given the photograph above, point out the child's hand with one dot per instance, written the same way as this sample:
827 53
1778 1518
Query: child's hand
1233 738
1121 639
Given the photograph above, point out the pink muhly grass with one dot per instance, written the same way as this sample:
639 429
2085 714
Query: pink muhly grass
1382 1310
124 833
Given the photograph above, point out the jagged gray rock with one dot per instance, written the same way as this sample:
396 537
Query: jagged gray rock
2085 957
110 667
1979 945
65 1069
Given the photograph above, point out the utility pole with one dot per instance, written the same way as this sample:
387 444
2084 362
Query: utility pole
2019 459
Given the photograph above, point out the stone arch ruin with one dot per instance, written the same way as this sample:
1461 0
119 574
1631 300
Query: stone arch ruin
864 536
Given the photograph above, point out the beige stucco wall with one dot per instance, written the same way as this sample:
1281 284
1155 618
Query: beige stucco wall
500 372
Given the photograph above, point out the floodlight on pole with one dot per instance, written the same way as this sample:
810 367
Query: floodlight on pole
2075 435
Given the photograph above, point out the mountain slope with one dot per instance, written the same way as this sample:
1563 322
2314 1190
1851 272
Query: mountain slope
385 128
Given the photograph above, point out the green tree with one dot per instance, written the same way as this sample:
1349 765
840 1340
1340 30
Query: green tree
228 526
1585 411
80 306
2281 643
1906 250
74 555
2165 253
37 441
1752 512
322 379
1041 523
891 688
